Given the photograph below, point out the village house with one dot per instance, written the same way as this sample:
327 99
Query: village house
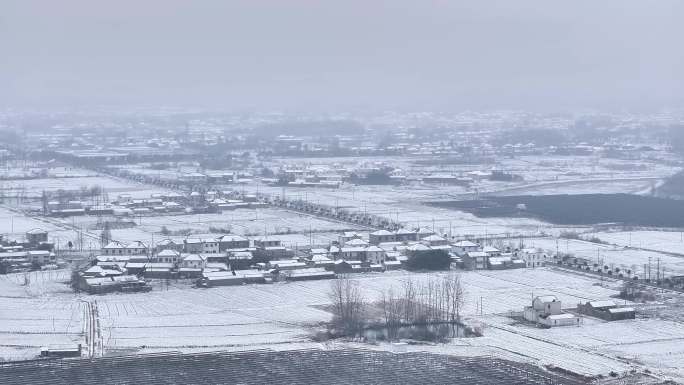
286 264
491 251
505 261
434 240
191 265
423 232
267 242
375 255
210 247
532 257
168 256
119 248
168 244
405 235
232 241
606 310
462 248
381 236
238 260
193 261
193 245
353 252
110 284
342 266
417 248
477 260
309 274
356 242
348 236
35 237
321 260
546 311
103 271
41 257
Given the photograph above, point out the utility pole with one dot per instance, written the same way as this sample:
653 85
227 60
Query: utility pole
557 251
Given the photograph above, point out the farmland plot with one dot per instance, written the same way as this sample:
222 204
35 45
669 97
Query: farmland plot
283 315
36 310
665 241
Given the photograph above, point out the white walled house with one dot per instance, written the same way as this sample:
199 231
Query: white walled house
434 240
476 260
533 257
491 251
405 235
348 236
546 310
193 261
375 255
353 253
41 257
119 248
168 256
210 247
462 248
381 236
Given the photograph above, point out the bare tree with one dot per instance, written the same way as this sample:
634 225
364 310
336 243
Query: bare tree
391 308
409 300
348 305
455 292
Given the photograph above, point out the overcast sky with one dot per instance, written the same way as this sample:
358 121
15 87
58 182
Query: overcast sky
344 54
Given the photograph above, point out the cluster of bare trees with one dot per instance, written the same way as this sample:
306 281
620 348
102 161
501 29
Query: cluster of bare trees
437 300
349 306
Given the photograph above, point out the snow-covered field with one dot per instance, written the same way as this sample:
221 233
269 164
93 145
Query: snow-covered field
282 315
37 309
17 223
666 241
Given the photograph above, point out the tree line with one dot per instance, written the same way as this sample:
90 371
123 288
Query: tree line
437 301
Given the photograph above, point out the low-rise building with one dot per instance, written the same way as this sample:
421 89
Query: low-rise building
505 261
35 237
462 248
434 240
375 255
110 284
309 274
41 257
168 256
547 311
607 310
532 257
476 260
381 236
405 235
120 248
232 241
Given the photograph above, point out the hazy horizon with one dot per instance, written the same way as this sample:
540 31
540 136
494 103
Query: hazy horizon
325 56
